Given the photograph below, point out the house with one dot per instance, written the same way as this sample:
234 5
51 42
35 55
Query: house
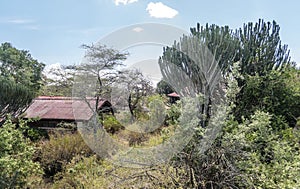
52 110
173 97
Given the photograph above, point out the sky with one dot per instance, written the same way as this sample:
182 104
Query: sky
53 31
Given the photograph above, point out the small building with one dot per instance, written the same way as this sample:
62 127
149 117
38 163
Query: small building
52 110
173 97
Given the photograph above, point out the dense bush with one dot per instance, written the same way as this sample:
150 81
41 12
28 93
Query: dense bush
173 114
268 158
163 87
257 148
277 93
111 124
33 133
94 173
55 153
16 152
249 152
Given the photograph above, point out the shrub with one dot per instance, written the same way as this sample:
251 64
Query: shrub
16 154
94 173
33 133
111 124
277 93
131 138
135 138
55 153
173 113
268 157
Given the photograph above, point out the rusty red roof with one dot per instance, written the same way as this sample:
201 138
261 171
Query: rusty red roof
63 108
173 95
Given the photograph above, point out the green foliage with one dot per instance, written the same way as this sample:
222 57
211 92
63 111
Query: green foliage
173 113
20 79
18 66
111 124
16 153
99 70
14 98
260 48
220 40
258 148
256 45
94 173
137 87
55 153
155 97
157 112
80 172
274 93
163 87
268 158
32 133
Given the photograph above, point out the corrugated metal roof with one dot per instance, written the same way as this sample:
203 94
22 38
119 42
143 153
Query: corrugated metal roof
173 94
63 108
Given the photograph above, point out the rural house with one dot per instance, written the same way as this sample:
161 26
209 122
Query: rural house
51 110
173 97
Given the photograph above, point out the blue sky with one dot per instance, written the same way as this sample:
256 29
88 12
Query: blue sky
54 30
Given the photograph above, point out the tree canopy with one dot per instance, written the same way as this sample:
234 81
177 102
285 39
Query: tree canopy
258 48
256 45
19 67
98 71
13 98
20 77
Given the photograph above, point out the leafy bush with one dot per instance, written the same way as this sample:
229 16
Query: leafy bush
16 153
173 113
33 133
268 157
111 124
277 93
55 153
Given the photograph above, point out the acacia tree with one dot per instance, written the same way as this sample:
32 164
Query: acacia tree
20 77
136 86
97 73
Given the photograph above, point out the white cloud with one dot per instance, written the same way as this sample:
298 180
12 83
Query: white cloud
20 21
159 10
125 2
138 29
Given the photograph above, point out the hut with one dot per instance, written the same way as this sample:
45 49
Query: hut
49 111
173 97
